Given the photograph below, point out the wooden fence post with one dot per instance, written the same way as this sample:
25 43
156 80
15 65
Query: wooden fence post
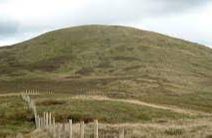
44 119
47 120
82 129
19 135
50 119
42 122
121 133
38 121
70 128
53 121
59 130
63 130
96 129
54 127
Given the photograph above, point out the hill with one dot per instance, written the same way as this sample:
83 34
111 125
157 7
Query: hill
114 60
138 76
104 51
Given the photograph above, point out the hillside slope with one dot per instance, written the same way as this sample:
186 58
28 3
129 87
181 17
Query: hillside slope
105 50
114 61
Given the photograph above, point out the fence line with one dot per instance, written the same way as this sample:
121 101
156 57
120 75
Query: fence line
47 121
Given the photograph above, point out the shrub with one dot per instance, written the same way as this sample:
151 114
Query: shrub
85 71
51 102
174 131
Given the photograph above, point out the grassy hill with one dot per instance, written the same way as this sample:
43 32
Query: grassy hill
121 61
112 61
104 51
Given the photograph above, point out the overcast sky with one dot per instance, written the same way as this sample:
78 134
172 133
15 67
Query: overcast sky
187 19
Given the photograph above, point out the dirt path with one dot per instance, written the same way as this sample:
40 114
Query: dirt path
131 101
15 94
137 102
10 94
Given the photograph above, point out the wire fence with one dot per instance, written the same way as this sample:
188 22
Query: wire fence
46 122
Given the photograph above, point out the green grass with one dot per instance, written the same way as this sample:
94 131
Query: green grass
110 50
13 117
149 90
104 111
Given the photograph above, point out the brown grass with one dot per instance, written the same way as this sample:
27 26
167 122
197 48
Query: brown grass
174 129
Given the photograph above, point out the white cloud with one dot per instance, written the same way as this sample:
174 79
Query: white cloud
195 25
173 17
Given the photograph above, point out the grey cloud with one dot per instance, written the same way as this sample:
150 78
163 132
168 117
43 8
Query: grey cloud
181 5
8 27
107 12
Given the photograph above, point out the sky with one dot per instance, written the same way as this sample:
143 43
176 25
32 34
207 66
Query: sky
191 20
